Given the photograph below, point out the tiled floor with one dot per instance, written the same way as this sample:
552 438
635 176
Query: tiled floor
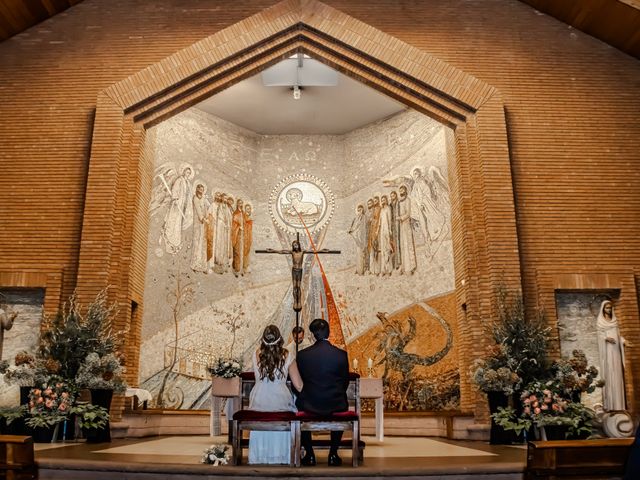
398 454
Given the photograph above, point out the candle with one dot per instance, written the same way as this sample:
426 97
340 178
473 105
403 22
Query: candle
370 363
355 364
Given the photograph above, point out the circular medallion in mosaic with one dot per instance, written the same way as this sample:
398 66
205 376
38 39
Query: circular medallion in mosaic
300 201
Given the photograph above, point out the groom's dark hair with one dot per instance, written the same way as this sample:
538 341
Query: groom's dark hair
320 329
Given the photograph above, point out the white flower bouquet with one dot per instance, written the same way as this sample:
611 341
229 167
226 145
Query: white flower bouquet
226 367
216 455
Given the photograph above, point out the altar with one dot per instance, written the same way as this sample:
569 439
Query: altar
228 388
372 388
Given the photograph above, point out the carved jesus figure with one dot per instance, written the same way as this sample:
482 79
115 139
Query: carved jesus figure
297 256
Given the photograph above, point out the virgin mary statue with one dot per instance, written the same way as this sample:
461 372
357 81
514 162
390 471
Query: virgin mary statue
611 349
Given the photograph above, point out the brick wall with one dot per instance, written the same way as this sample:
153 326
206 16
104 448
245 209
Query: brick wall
571 108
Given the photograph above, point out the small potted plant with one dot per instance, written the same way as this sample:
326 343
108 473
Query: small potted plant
226 377
102 375
92 419
496 376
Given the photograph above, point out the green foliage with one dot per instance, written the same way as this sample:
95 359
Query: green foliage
526 339
507 419
543 405
12 413
90 416
518 355
43 420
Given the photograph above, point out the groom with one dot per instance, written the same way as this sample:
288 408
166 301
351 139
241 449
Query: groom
325 373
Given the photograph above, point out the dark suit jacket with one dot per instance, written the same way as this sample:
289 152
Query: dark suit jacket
325 372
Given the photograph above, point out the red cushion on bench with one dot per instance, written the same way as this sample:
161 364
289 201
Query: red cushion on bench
346 416
251 376
257 416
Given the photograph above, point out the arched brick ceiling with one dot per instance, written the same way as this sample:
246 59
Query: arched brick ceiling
616 22
19 15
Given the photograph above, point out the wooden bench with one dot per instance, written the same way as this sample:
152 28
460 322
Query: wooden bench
295 423
16 458
577 459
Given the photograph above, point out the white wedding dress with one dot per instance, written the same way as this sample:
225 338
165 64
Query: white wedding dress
271 396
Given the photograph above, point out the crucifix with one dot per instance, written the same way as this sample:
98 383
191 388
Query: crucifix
297 257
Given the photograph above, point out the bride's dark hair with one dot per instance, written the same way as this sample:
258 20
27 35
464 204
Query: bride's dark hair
272 354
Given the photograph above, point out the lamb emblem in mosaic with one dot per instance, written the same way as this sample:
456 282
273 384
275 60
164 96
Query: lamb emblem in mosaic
301 201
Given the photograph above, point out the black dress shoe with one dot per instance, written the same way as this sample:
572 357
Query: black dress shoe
334 460
309 460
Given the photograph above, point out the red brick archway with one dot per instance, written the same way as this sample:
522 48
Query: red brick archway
114 234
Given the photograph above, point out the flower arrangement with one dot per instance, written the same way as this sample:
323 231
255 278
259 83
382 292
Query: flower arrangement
103 372
519 352
49 405
72 335
26 371
543 405
574 375
226 367
496 372
216 455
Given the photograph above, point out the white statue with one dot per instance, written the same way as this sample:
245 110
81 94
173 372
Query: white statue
611 349
6 322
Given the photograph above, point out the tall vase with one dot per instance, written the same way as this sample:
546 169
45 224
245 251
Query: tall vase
555 432
18 427
67 429
45 434
24 395
498 435
102 398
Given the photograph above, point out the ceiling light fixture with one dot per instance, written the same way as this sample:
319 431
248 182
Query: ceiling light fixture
297 72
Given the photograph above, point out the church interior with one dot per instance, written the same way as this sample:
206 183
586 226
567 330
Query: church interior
461 178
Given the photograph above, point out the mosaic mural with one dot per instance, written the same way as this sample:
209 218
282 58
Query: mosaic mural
378 195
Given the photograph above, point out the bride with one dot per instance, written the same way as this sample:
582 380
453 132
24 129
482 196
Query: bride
271 365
